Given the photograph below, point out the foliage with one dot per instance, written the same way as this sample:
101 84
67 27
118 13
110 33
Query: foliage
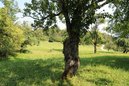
120 29
30 36
123 44
11 36
44 12
110 45
86 39
121 13
38 33
120 22
55 34
12 8
48 9
93 36
109 42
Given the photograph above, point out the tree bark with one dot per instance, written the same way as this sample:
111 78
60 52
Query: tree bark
95 48
71 57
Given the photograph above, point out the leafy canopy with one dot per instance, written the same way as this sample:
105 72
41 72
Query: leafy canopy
78 13
120 21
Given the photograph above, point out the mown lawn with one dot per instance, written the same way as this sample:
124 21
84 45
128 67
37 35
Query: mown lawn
44 65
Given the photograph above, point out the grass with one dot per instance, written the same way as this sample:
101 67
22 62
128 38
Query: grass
44 66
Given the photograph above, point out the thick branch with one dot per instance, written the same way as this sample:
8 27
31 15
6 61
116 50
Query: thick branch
51 15
34 17
66 15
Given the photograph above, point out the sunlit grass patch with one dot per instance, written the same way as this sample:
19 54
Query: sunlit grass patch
44 65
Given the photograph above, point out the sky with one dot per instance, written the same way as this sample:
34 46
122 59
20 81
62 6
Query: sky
20 3
20 15
21 19
1 5
59 23
22 6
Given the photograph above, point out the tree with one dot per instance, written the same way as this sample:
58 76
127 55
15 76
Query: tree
120 24
32 36
78 15
11 36
109 42
86 39
121 13
93 37
120 20
95 33
123 43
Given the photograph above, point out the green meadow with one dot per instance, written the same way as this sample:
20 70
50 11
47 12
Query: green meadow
44 64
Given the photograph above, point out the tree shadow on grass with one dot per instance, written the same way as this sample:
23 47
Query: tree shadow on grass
59 50
24 72
119 62
107 52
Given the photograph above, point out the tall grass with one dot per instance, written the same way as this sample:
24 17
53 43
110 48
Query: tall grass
45 64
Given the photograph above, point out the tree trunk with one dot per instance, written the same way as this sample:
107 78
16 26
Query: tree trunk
71 57
70 45
95 48
124 51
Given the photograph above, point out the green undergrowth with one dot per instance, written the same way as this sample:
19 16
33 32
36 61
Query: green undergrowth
45 64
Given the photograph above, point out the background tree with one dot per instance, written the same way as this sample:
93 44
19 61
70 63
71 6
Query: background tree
91 37
31 36
108 42
95 35
123 44
78 15
86 39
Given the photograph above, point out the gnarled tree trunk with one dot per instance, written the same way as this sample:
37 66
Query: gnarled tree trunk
71 57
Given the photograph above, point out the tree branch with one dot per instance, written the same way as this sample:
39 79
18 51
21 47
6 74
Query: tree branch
52 15
34 17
